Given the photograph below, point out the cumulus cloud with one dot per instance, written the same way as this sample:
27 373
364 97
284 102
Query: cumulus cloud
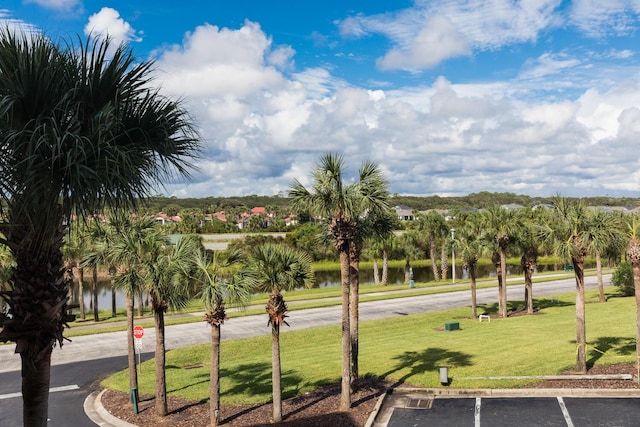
108 22
433 31
264 123
61 5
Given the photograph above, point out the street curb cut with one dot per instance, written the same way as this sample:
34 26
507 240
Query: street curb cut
99 415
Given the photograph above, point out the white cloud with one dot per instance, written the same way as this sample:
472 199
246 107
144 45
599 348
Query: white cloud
602 18
437 41
61 5
108 22
264 126
433 31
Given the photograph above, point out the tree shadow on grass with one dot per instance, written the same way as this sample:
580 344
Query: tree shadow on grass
621 346
428 360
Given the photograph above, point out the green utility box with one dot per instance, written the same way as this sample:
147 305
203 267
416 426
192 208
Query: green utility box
452 326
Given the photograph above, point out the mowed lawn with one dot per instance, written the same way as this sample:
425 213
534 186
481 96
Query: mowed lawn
407 349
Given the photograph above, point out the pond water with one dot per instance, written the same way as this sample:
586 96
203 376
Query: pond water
323 279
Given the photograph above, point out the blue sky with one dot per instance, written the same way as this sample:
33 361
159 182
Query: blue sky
450 97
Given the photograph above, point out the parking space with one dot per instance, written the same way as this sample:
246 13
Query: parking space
520 411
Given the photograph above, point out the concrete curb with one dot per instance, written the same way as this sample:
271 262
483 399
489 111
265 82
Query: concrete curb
374 414
99 415
521 392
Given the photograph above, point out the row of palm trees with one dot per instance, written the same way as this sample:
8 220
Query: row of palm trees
568 229
143 260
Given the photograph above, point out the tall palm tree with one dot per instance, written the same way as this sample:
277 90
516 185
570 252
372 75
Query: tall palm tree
371 223
278 267
340 205
470 249
501 225
529 245
168 270
408 244
573 236
126 249
80 129
633 255
222 280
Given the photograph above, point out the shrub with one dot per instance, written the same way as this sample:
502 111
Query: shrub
622 278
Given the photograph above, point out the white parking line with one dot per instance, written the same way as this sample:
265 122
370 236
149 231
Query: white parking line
476 414
51 390
563 408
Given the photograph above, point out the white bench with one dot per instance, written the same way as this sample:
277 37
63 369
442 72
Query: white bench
484 316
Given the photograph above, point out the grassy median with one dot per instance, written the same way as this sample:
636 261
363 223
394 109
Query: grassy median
408 349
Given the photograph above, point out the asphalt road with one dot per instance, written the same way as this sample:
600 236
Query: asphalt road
92 347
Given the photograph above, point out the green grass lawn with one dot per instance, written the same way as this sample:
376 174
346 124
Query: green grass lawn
409 349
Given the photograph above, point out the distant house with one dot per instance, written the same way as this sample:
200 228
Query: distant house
163 218
245 217
404 213
221 216
512 206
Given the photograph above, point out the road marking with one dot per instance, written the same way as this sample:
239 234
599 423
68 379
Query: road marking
476 414
51 390
565 412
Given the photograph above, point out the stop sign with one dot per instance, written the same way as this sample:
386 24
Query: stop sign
138 332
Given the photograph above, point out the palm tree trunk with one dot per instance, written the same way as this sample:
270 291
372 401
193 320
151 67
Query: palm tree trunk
214 377
94 294
276 374
161 382
433 255
581 333
600 281
113 299
528 266
81 292
385 268
345 397
354 271
376 273
407 271
503 289
495 258
472 281
444 263
131 355
35 389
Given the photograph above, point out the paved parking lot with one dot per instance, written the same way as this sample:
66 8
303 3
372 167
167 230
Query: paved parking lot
510 411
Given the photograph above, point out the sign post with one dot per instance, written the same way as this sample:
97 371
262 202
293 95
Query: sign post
138 333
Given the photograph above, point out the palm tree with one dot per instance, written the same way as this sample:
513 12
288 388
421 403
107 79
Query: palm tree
221 280
501 225
529 245
573 235
125 248
470 249
80 129
168 269
277 267
369 224
633 255
435 226
340 205
600 221
409 245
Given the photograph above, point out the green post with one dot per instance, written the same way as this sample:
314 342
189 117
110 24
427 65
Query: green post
134 400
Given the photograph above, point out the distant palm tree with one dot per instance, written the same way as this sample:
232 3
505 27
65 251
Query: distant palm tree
434 225
81 128
340 205
278 268
221 280
470 249
601 241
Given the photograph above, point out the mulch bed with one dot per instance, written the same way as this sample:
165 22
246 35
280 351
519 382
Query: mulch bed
316 408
